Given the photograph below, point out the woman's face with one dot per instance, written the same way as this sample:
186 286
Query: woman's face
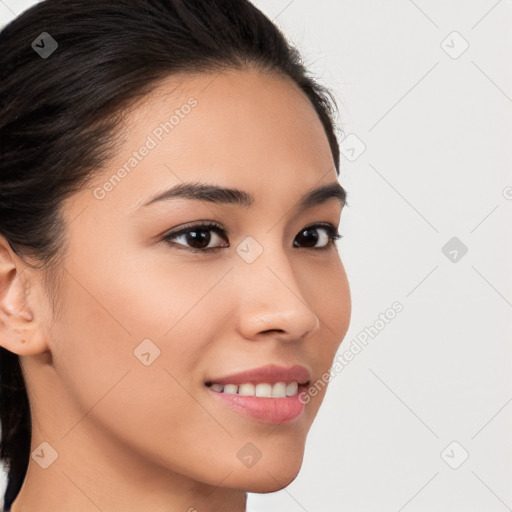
145 324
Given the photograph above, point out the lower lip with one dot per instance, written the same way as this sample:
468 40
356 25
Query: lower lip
268 410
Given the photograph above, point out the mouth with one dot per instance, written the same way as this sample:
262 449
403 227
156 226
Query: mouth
269 394
258 380
261 402
259 389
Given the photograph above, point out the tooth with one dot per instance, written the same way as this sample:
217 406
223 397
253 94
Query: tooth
246 389
292 388
279 390
230 389
264 390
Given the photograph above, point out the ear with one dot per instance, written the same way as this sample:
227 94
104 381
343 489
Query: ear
22 312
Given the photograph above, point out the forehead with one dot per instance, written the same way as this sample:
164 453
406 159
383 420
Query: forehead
244 129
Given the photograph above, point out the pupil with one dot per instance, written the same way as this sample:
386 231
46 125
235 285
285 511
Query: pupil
194 238
312 239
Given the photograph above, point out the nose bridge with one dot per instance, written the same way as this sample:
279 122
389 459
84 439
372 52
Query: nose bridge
268 294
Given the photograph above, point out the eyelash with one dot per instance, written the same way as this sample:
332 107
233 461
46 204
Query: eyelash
208 226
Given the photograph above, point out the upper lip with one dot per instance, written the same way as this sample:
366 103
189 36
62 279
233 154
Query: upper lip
270 373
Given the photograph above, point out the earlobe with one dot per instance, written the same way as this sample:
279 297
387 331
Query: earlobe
20 332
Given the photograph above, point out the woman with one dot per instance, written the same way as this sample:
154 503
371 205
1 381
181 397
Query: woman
172 296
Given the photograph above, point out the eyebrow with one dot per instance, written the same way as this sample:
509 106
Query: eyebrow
233 196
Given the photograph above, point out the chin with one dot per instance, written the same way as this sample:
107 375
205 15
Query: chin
269 477
272 482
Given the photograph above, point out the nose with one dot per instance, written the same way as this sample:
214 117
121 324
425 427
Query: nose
270 299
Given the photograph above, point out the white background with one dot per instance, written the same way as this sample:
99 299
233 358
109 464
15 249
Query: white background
436 126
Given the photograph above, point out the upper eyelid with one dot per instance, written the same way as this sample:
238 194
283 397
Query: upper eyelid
211 225
207 225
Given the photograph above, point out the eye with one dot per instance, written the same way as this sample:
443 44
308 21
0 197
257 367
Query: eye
198 237
310 237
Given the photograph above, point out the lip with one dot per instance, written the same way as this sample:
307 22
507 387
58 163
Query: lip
267 410
270 373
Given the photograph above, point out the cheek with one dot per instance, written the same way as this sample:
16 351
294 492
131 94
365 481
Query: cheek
150 407
337 313
329 296
119 326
